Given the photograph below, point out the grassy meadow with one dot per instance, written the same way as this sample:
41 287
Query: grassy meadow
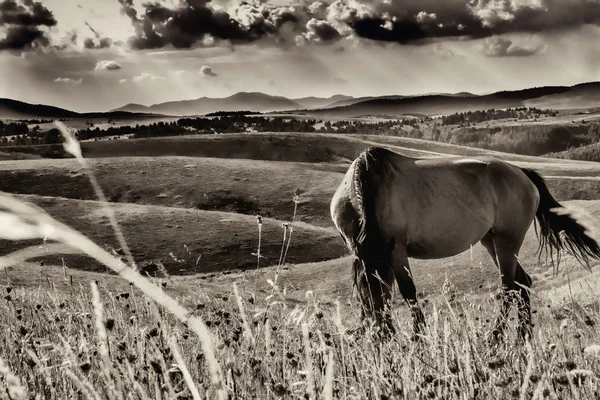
241 309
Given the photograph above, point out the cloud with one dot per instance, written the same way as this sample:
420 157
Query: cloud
107 65
503 47
145 77
187 25
320 31
25 13
444 52
207 71
69 81
98 42
101 43
424 21
123 80
425 18
25 25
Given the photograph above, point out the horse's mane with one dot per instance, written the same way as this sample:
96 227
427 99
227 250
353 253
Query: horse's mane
369 170
369 246
369 174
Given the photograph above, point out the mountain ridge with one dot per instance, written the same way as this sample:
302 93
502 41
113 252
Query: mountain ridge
582 95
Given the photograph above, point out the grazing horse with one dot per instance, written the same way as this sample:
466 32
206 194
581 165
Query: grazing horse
390 207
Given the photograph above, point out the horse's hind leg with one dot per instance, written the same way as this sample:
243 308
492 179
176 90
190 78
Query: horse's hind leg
407 287
504 250
524 280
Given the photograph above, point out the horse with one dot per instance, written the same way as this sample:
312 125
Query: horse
390 207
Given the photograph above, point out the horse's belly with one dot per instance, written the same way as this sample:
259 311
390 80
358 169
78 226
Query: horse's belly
442 242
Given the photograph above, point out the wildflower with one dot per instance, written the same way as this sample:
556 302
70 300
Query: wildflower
109 324
85 367
568 364
578 376
152 332
495 364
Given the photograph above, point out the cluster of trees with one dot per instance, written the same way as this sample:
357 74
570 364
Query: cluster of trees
526 139
242 123
13 128
31 137
227 113
18 134
368 128
471 117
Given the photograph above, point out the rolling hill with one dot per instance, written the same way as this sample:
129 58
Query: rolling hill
436 104
14 109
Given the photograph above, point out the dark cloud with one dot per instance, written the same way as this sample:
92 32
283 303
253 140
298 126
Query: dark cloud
98 42
23 22
418 21
196 22
187 25
503 47
207 71
25 13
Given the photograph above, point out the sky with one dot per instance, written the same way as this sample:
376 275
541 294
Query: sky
97 55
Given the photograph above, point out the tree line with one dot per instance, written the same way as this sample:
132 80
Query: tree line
473 117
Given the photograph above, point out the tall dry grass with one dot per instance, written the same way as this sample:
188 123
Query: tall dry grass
152 342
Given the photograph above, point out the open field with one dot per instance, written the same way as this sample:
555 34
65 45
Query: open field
196 215
209 204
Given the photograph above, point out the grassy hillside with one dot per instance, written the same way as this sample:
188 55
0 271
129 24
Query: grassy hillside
185 241
232 185
262 351
590 152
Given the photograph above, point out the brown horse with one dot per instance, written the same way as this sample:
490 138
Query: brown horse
390 207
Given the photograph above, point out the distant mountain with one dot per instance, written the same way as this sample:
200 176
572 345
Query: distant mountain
585 95
320 102
252 101
14 109
557 97
132 107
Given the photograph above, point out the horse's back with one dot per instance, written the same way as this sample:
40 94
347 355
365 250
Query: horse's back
441 206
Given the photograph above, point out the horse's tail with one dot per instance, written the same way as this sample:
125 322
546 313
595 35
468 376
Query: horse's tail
560 230
369 169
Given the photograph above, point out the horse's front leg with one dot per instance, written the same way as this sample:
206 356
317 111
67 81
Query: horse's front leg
375 296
